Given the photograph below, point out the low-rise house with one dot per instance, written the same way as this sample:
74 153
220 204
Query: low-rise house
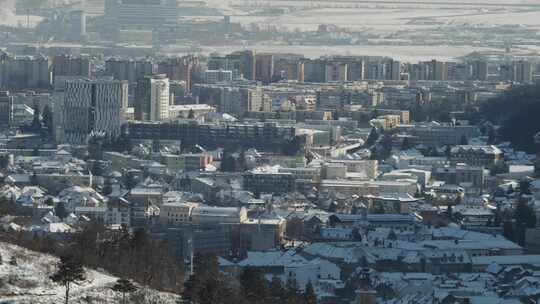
76 196
31 195
19 180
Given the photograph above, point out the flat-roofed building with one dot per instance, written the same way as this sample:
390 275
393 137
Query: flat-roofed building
152 98
146 195
190 111
93 106
207 215
68 65
269 181
176 213
359 187
485 156
218 76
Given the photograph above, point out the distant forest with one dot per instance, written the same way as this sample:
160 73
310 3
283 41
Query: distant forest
518 113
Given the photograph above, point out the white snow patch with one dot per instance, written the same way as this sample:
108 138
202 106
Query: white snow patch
28 281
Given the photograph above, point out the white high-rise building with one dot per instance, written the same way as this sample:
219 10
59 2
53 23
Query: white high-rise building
152 98
93 106
159 99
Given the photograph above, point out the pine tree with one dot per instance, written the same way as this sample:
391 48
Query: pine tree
525 186
406 144
357 236
449 212
392 235
49 201
131 181
228 163
448 151
124 286
254 284
202 281
508 230
372 137
492 136
524 217
242 160
185 183
36 121
70 270
383 150
191 114
97 169
291 146
4 161
309 295
95 146
524 214
510 189
47 117
536 166
292 292
107 187
60 210
34 179
277 292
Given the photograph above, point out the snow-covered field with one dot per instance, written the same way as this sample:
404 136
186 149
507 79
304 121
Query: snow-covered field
8 16
391 19
29 283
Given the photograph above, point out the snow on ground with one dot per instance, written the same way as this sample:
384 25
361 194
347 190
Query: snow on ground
8 16
388 20
28 282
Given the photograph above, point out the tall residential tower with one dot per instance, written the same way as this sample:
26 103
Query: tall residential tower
93 106
152 98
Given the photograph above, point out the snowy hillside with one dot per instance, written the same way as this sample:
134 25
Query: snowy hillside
28 282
